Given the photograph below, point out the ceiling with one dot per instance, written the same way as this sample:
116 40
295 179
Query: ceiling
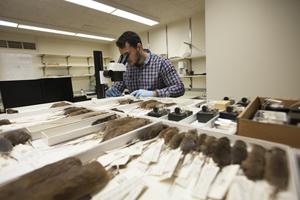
62 15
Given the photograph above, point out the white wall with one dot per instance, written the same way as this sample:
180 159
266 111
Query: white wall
252 48
158 40
178 32
47 45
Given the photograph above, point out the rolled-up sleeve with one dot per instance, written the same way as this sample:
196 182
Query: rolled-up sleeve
174 86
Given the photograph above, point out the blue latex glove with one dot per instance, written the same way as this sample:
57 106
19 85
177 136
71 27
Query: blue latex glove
142 93
113 92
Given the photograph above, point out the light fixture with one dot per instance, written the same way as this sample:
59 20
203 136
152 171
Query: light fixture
134 17
94 37
114 11
93 5
34 28
48 30
6 23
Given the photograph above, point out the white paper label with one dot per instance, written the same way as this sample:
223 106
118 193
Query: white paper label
171 164
241 188
207 176
192 175
223 181
152 153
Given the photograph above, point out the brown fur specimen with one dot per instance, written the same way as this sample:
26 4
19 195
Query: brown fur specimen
20 136
189 142
128 101
79 112
4 122
201 140
105 119
222 152
71 109
59 104
168 133
207 148
238 152
93 114
176 140
25 182
5 146
125 101
276 171
77 182
254 165
11 111
151 132
150 104
120 126
117 110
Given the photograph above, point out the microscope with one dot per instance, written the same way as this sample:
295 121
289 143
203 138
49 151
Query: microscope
114 72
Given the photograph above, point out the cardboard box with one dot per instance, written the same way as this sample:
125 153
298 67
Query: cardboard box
221 105
285 134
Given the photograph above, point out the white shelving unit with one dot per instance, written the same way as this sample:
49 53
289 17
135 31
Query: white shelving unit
189 60
176 59
79 67
194 76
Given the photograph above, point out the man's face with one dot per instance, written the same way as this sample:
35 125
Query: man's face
134 54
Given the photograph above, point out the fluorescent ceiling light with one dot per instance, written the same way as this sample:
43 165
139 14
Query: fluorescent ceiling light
34 28
134 17
94 37
93 5
6 23
114 11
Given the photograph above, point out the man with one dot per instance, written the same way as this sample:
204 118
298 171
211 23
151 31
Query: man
147 75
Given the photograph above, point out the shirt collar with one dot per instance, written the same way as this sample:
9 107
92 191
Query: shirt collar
147 60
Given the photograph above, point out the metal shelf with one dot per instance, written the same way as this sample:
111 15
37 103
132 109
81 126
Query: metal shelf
82 75
193 76
176 59
70 56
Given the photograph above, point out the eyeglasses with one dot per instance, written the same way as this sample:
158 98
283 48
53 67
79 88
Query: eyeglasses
123 58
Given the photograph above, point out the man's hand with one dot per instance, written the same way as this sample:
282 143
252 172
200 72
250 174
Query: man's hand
143 93
113 92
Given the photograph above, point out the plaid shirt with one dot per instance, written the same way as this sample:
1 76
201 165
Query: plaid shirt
157 73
